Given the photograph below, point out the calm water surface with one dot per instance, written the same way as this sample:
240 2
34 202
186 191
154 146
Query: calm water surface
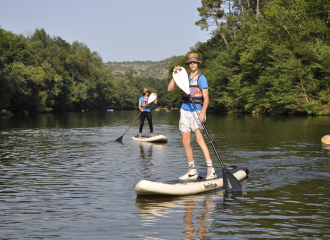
63 176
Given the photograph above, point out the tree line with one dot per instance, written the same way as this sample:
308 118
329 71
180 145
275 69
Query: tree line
40 73
265 56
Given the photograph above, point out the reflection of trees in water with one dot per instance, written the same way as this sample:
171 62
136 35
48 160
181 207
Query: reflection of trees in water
146 163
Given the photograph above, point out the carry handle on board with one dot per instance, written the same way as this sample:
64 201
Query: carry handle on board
230 182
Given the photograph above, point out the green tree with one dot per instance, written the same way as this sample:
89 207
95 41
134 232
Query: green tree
82 65
211 14
274 59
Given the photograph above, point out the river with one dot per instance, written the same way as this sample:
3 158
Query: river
63 176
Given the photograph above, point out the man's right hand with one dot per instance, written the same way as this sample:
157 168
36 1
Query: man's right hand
176 69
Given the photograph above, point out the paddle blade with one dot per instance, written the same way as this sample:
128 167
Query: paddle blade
230 182
152 98
181 79
120 139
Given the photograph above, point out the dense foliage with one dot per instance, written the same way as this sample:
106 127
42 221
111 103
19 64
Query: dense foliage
267 56
40 73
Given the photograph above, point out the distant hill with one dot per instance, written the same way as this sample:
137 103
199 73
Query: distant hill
143 68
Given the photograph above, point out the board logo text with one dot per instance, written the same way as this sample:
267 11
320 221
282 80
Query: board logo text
210 185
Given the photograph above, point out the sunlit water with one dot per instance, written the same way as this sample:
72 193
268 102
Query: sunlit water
63 176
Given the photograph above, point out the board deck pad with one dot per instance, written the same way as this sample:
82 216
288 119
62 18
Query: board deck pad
145 138
202 175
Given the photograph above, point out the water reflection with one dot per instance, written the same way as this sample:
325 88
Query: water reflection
146 157
203 217
197 212
326 147
146 161
230 200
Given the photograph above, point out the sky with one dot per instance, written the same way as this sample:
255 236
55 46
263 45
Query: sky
119 30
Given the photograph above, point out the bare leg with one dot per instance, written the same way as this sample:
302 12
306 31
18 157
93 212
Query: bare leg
202 144
186 142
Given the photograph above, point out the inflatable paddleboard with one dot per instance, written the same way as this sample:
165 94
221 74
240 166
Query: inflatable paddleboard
187 187
144 138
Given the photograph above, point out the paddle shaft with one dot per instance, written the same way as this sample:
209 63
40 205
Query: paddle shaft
207 133
131 124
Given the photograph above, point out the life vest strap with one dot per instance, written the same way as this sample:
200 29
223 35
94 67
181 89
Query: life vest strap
195 99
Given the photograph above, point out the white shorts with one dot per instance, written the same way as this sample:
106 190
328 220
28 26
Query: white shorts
189 121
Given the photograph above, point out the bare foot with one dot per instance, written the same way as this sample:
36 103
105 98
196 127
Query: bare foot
152 135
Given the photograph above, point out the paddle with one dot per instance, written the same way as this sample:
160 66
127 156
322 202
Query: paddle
120 139
230 182
152 98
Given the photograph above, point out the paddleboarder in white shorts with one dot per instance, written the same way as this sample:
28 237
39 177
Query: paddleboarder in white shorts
145 108
189 121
